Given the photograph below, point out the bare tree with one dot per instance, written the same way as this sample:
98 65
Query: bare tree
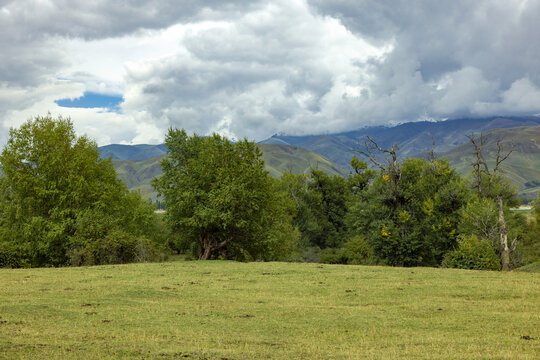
370 146
485 180
391 172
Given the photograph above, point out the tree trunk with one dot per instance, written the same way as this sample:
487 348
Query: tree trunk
503 237
205 254
208 245
206 248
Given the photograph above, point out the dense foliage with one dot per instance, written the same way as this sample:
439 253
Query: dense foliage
220 200
60 203
529 248
472 253
409 215
321 202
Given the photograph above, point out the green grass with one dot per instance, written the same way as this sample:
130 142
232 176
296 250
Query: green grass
532 268
228 310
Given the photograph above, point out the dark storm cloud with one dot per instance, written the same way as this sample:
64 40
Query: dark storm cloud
98 19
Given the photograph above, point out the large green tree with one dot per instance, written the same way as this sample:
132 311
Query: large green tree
52 181
409 213
220 199
321 203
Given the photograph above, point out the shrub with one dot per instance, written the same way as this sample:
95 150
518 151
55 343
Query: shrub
117 247
99 240
472 253
9 256
358 252
333 256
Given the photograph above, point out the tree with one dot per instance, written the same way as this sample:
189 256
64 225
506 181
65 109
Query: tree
361 177
321 203
489 184
52 178
479 217
530 247
220 200
410 211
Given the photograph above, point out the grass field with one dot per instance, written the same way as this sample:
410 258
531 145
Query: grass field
534 267
229 310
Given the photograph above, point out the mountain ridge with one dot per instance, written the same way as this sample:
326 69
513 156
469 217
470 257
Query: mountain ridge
412 138
332 152
138 173
522 167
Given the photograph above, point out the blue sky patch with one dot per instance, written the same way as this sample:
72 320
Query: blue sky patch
92 100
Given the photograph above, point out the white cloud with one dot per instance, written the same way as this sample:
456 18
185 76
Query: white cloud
278 68
462 90
245 68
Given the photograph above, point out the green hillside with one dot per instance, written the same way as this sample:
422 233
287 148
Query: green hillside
523 165
138 174
138 164
132 152
278 158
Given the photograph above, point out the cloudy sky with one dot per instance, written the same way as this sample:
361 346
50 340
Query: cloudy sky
125 71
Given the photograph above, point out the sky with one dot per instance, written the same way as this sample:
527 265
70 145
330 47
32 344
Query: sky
126 71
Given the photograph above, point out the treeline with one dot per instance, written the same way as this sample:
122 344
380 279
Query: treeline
61 204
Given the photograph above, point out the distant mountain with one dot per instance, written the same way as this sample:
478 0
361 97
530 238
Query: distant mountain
412 138
522 168
278 158
138 174
138 164
132 152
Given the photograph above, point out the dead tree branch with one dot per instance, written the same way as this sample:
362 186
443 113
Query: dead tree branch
500 158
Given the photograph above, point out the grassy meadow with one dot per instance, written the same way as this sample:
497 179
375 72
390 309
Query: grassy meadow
230 310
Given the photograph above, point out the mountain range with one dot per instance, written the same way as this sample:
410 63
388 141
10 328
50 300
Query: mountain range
522 167
138 164
412 138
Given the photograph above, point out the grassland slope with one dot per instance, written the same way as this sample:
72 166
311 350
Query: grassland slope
228 310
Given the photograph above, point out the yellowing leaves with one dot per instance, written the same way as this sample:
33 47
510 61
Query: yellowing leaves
385 232
428 206
404 216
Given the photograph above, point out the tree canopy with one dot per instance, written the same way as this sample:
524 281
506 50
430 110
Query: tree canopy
321 203
221 201
52 181
410 212
62 204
